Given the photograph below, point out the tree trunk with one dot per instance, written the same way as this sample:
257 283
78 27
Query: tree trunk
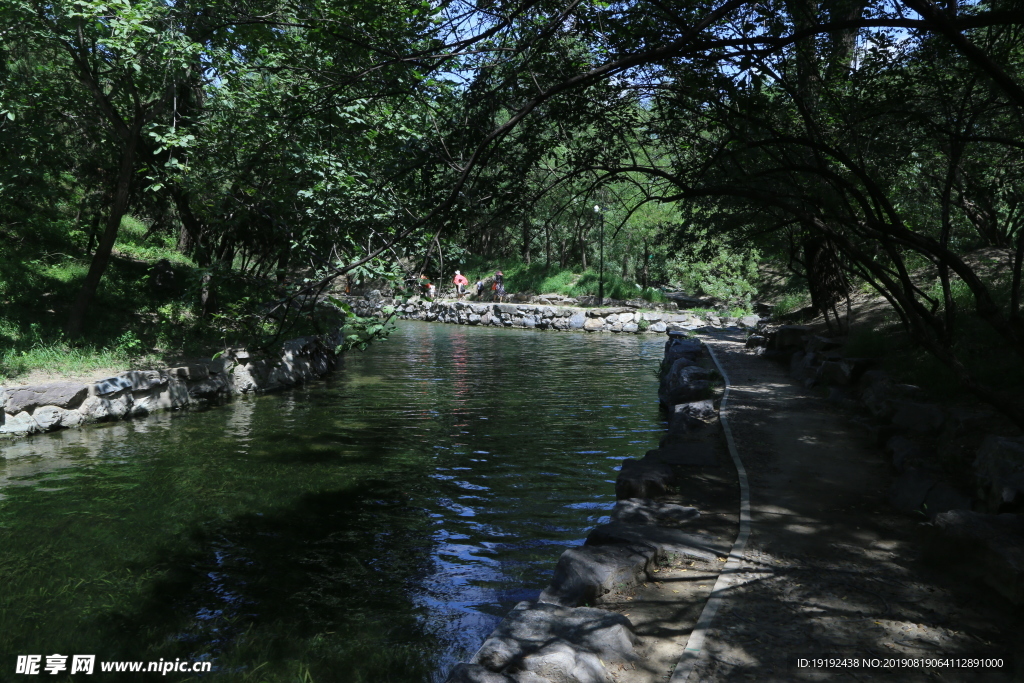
526 241
80 307
645 270
625 265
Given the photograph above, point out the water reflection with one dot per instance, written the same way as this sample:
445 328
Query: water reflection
403 506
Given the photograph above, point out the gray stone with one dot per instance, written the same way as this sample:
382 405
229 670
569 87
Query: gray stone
71 418
628 317
630 327
212 387
695 410
903 451
140 380
530 626
60 394
910 490
475 673
790 337
999 470
684 453
943 498
192 371
749 321
917 418
658 327
680 347
642 479
616 327
755 341
612 318
100 408
819 343
474 319
112 385
647 511
835 373
583 576
667 543
990 546
593 324
686 384
48 417
561 662
21 423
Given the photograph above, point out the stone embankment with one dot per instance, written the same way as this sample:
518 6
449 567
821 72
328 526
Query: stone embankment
625 319
567 635
46 407
949 467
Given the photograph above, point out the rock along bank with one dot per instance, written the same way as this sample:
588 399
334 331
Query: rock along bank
58 405
629 319
565 636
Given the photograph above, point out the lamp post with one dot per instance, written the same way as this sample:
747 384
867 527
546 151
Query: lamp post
600 281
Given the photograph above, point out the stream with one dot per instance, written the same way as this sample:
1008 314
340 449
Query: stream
374 526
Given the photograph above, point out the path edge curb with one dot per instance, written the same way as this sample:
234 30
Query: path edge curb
730 574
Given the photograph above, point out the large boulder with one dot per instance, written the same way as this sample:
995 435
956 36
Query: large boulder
903 452
20 424
583 576
917 418
667 543
989 546
684 385
909 491
475 673
790 337
687 413
647 511
531 627
679 346
643 479
48 417
999 471
60 394
593 324
577 320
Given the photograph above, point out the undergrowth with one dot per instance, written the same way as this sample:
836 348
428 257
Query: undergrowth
541 278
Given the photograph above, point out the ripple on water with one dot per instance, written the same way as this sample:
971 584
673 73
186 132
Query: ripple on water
335 522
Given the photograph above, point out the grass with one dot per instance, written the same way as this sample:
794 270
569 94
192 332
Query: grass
540 278
129 322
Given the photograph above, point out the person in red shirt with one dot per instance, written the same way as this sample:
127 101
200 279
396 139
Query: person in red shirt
460 284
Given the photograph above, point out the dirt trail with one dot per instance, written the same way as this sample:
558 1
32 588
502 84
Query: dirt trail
829 568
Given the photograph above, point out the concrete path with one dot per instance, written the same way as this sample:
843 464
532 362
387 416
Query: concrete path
829 567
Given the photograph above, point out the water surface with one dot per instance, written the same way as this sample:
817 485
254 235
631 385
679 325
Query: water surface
371 527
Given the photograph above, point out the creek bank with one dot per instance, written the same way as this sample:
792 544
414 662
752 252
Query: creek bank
957 466
621 319
59 405
620 606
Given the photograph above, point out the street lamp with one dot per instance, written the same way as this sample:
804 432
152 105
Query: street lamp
600 281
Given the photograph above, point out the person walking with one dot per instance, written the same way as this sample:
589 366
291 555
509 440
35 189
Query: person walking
499 285
460 282
480 288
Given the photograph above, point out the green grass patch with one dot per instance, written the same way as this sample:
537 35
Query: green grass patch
541 278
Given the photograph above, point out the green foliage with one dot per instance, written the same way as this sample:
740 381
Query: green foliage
713 268
540 278
790 302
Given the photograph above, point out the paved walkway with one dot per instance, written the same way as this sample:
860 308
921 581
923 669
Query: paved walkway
829 567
